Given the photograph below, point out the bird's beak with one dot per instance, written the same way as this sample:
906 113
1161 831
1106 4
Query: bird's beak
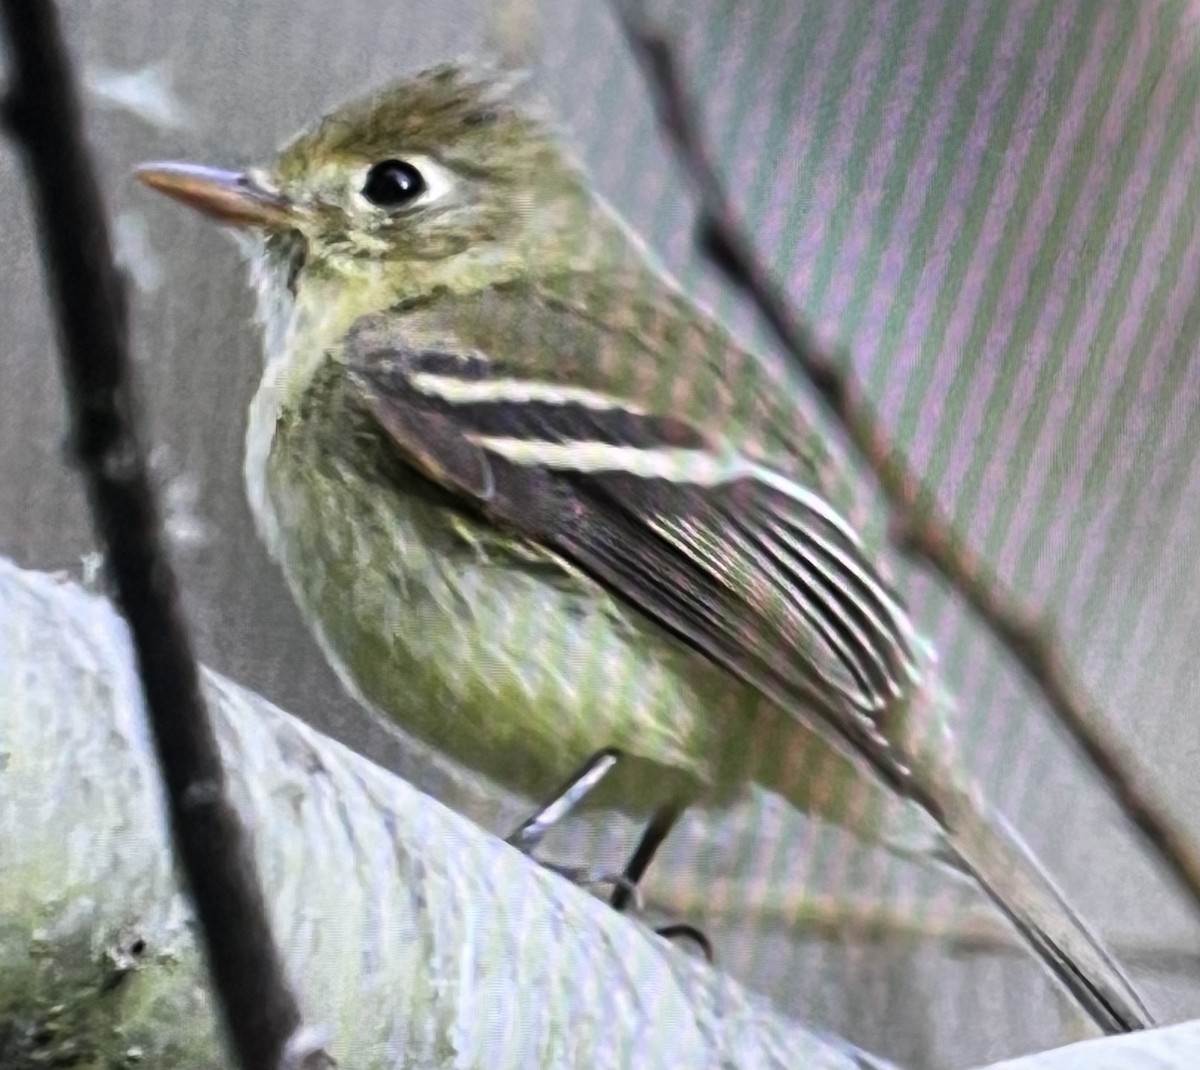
232 197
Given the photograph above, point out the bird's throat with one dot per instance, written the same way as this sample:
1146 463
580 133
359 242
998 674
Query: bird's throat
304 315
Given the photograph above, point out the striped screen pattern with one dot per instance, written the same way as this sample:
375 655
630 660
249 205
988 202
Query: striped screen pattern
992 205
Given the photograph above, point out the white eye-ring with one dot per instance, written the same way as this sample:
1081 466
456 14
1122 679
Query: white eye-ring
403 182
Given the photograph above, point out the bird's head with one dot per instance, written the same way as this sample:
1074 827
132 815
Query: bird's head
439 179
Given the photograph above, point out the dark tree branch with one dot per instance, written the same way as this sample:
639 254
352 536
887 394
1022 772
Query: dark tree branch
919 526
42 113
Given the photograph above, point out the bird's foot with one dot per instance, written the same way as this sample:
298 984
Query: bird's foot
626 895
633 902
682 930
585 877
529 834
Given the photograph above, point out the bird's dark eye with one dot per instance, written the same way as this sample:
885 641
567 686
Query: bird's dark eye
393 184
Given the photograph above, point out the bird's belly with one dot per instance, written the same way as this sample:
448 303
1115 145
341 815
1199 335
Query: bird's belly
510 666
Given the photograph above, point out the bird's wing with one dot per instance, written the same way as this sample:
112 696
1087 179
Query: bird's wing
750 568
755 571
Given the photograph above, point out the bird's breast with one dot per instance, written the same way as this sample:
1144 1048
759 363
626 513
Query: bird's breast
496 655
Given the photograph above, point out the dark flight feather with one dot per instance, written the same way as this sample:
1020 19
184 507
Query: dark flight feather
749 568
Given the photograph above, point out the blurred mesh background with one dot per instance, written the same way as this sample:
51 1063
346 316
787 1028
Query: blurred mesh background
993 203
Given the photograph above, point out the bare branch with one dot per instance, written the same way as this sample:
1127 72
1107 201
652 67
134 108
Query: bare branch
374 887
919 527
43 115
423 940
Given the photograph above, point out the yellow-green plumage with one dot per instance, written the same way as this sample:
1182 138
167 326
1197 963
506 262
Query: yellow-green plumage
535 503
501 654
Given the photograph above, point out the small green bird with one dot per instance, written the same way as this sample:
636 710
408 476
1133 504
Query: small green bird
537 504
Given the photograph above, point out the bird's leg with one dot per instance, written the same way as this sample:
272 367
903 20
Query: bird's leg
526 837
659 828
529 834
657 831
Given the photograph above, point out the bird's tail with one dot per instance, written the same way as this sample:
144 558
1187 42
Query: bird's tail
983 844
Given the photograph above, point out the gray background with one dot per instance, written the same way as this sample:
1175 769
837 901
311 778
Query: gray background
1089 509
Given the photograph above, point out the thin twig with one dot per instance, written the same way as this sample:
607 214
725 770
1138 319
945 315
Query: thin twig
42 113
919 528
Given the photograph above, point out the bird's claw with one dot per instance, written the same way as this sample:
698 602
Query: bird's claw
583 877
683 931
